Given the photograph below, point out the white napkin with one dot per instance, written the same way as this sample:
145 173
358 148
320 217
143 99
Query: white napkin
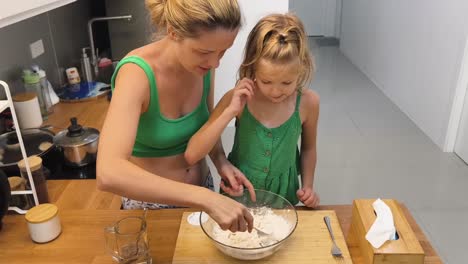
383 228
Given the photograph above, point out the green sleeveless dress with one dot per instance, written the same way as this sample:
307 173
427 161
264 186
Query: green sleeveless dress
269 157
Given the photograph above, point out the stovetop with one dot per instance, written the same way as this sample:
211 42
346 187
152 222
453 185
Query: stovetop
58 170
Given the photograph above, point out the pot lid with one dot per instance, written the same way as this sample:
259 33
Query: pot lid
36 142
76 135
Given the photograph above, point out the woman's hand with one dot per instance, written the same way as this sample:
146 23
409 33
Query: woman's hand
229 214
308 197
233 181
243 92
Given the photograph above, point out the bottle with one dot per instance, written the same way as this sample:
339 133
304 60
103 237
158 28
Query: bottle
73 79
32 84
86 69
106 70
44 88
73 76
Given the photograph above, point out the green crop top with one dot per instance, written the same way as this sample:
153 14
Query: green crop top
158 136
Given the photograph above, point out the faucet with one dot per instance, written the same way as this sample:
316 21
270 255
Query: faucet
94 58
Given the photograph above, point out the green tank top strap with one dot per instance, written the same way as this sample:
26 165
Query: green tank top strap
149 74
206 86
298 100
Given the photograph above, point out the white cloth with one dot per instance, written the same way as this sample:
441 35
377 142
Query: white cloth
383 228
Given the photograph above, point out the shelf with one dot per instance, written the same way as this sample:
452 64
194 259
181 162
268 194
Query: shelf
20 10
3 105
21 192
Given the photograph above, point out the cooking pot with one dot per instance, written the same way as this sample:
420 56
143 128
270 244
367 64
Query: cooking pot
78 144
37 141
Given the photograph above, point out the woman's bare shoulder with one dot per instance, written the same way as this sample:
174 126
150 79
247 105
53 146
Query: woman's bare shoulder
148 52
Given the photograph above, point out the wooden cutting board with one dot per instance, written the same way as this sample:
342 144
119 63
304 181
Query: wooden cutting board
310 243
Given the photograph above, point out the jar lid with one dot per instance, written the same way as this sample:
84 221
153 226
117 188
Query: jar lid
16 182
24 97
35 163
76 135
41 213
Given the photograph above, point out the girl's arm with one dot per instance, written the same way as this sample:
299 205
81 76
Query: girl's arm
116 174
209 134
208 138
310 105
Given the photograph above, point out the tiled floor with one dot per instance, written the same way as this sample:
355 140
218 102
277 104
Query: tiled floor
368 148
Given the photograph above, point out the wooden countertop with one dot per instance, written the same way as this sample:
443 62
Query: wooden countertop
84 212
89 113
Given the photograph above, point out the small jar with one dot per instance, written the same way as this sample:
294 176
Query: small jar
18 183
35 164
43 223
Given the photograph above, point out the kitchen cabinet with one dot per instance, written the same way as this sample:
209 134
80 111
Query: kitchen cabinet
15 11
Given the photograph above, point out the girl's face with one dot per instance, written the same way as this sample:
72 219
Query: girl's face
199 55
277 81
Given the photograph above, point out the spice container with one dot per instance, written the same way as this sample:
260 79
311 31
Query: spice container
39 179
43 223
18 183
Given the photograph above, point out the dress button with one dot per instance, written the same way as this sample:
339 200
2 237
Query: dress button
269 134
265 170
267 153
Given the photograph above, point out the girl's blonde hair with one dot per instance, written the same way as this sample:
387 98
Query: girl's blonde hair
188 17
278 38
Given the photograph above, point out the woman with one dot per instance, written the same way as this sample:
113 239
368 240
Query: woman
163 93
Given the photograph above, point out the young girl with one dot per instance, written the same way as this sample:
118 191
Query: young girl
273 109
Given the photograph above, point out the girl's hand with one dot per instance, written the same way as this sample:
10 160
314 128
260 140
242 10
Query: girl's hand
308 197
229 214
243 91
233 181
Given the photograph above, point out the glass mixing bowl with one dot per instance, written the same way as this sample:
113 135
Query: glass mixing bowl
265 201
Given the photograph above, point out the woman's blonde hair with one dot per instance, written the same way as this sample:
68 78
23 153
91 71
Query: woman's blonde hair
278 38
188 17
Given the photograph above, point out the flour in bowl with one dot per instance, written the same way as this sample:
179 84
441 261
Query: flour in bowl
266 220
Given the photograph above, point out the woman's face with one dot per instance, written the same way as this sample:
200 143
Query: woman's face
199 55
277 81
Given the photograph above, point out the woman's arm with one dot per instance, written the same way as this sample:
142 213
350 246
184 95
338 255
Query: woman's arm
116 174
310 102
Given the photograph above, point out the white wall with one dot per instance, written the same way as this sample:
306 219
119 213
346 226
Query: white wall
252 11
412 51
320 17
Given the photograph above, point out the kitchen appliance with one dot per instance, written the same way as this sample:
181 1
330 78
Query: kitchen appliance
78 144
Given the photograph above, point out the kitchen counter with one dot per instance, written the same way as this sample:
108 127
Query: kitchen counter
84 212
90 113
